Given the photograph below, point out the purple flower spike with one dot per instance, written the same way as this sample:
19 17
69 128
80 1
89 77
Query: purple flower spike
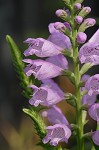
55 116
77 6
41 48
47 94
78 19
94 112
61 13
57 133
92 85
42 69
81 37
95 137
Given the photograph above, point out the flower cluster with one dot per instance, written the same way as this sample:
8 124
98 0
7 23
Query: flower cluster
52 62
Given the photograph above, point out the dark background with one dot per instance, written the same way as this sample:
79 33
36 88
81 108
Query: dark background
22 19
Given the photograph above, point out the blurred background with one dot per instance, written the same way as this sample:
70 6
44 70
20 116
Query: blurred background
22 19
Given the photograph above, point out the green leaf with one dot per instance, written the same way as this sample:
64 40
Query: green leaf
38 122
19 66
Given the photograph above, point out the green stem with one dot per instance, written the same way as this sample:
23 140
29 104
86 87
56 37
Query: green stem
80 142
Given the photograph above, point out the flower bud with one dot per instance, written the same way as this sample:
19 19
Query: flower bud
78 19
60 26
61 13
67 25
77 6
81 37
86 24
85 11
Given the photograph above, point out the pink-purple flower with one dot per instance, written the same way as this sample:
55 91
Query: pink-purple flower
89 52
55 116
47 94
57 133
92 85
43 69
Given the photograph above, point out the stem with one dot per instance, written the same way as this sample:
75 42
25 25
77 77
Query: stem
80 142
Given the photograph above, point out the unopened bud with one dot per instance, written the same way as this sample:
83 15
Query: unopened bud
67 25
85 11
86 24
61 13
81 37
60 26
78 19
77 6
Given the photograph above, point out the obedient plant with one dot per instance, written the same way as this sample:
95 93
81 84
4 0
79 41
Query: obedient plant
65 41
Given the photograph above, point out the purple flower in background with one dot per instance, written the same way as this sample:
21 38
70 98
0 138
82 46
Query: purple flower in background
57 133
42 69
47 94
94 112
87 99
95 137
42 48
55 116
89 52
92 85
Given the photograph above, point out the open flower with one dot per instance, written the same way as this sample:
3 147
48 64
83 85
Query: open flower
92 85
57 133
94 112
43 69
89 52
55 116
47 94
42 48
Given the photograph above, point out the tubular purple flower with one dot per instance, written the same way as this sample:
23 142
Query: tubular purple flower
41 48
61 13
57 133
60 40
81 37
94 112
55 116
47 94
77 6
89 52
92 85
78 19
95 137
42 69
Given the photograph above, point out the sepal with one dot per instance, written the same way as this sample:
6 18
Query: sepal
70 75
70 99
85 68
